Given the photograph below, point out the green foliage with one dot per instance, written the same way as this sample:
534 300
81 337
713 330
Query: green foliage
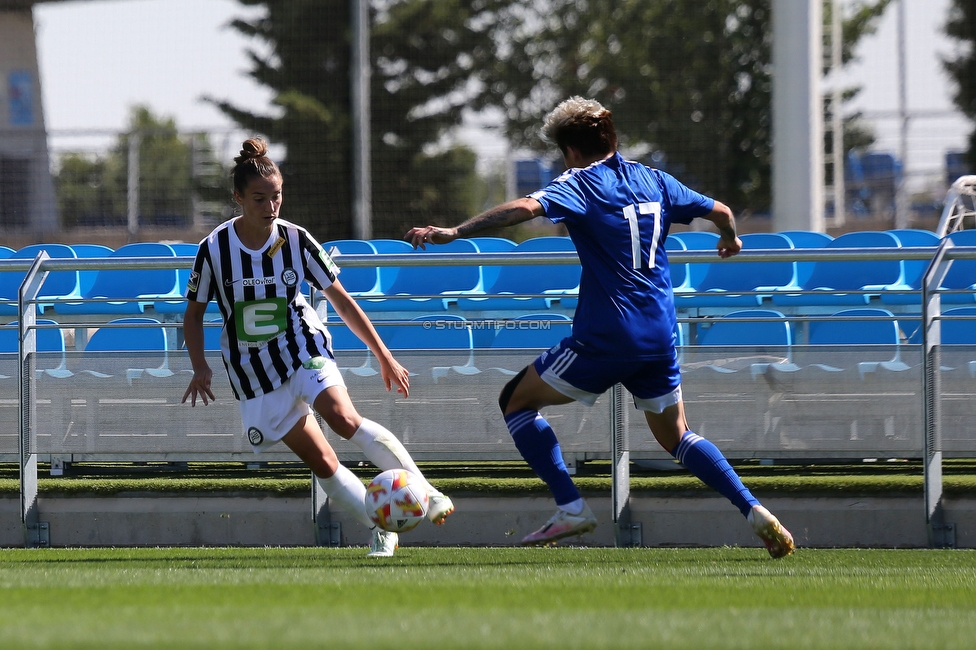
93 190
689 82
425 54
961 27
486 598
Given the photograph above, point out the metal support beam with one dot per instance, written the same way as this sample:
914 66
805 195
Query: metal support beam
627 533
940 533
35 531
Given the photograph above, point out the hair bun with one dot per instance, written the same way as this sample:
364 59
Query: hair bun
253 148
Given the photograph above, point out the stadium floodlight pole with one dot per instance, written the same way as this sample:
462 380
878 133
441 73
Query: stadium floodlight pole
362 226
901 188
836 119
797 155
135 140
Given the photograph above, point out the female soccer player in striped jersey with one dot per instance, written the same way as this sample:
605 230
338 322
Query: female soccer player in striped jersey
276 350
618 214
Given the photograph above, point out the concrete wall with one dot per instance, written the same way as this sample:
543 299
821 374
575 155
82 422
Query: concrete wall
666 520
27 200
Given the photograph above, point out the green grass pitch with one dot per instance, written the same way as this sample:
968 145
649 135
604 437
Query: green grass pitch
508 598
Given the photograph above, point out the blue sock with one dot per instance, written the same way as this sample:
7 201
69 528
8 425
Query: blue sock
704 460
537 443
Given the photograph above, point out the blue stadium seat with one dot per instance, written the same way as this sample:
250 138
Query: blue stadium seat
806 239
182 249
360 280
58 285
145 345
832 282
50 347
5 252
89 251
772 335
129 291
875 338
522 333
211 335
695 240
489 274
445 337
415 280
722 279
554 280
958 333
962 273
680 281
347 345
732 329
914 269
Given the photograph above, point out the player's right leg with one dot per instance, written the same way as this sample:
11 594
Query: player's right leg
342 486
379 445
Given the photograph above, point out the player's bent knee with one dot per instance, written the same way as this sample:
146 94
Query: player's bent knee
506 395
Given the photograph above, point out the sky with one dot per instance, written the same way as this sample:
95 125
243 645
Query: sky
98 58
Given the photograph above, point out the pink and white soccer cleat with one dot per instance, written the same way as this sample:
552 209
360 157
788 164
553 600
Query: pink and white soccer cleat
562 524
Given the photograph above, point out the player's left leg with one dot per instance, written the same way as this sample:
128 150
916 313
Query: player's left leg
380 446
706 461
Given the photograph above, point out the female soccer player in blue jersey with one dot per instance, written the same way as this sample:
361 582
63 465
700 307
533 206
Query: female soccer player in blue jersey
276 350
618 214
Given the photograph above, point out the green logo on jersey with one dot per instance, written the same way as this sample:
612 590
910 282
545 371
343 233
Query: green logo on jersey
314 363
329 264
260 320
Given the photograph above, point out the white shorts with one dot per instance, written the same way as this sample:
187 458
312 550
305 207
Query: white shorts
267 418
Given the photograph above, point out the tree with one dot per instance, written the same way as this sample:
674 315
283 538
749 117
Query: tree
94 190
961 26
425 55
688 82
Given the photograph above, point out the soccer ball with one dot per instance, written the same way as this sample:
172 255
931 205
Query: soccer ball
396 500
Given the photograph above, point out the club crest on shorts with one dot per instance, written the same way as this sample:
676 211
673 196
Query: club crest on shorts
254 436
289 277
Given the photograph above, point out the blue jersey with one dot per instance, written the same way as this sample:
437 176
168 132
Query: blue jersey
618 214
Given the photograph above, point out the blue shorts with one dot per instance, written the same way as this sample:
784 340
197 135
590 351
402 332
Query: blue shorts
655 384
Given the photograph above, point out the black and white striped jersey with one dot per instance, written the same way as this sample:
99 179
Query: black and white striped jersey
269 327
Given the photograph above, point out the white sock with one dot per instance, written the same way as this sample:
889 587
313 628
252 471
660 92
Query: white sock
384 450
573 507
348 491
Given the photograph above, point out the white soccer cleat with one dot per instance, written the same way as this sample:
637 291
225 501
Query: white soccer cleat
383 543
439 507
562 524
774 535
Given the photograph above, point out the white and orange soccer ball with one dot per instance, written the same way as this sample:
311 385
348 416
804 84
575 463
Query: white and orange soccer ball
396 500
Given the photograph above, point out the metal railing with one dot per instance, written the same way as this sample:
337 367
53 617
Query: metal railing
620 446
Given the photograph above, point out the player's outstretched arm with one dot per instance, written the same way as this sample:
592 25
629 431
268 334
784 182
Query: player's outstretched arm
729 243
356 319
193 335
505 214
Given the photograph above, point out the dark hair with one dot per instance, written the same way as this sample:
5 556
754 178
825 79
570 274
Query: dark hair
252 162
583 124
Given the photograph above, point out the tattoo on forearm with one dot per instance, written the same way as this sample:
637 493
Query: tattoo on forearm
494 218
728 232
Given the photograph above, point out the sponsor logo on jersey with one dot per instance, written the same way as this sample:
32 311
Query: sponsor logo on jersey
193 281
258 282
314 363
329 264
275 247
254 436
289 277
